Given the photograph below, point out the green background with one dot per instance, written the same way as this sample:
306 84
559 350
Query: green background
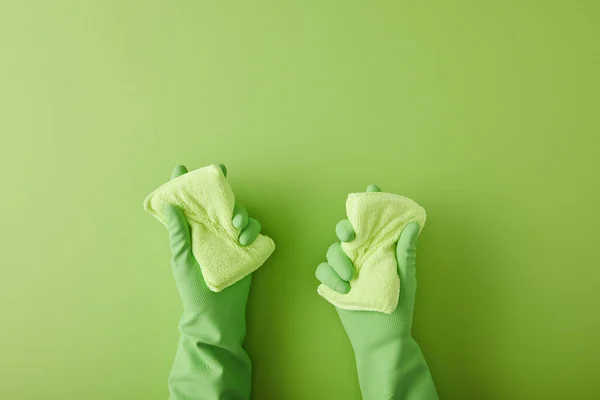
486 114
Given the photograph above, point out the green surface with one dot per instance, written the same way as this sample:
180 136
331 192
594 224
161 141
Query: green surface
486 114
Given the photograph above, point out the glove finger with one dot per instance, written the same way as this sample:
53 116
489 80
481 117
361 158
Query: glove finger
186 270
178 171
344 231
179 233
223 169
328 277
406 252
340 262
240 217
373 188
250 232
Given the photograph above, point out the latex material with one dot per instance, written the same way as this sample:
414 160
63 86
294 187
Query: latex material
390 363
210 362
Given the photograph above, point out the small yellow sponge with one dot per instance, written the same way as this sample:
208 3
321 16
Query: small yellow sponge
378 220
207 201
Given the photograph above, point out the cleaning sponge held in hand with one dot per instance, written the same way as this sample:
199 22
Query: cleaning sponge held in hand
378 220
207 201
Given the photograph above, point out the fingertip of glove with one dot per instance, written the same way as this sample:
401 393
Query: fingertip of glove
178 170
250 232
373 188
342 287
344 231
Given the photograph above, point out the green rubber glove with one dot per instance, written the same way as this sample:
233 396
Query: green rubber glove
210 362
389 362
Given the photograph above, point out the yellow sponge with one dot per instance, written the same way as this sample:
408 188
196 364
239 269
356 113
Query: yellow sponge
207 201
378 220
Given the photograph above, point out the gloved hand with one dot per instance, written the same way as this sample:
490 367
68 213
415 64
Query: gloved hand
389 362
210 362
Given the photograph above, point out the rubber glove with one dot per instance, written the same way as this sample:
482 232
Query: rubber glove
210 362
389 361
